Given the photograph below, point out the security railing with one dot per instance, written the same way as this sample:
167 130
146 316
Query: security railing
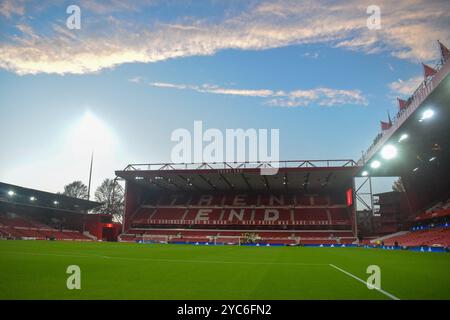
242 165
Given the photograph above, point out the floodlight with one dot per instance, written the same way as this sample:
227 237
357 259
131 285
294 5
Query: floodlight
11 193
375 164
403 137
365 173
389 152
415 169
427 114
32 198
55 202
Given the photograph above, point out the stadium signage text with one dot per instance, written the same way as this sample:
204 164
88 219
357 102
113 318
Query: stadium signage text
222 171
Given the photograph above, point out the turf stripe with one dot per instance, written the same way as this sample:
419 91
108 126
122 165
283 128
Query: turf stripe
76 255
360 280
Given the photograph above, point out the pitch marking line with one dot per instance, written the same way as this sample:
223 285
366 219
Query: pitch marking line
360 280
221 261
171 260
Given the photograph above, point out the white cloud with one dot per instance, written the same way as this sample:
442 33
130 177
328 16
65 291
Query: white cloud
170 85
9 8
110 6
136 79
405 87
26 30
239 92
409 30
322 96
278 98
209 88
311 55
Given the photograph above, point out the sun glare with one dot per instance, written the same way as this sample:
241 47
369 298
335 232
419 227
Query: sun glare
91 134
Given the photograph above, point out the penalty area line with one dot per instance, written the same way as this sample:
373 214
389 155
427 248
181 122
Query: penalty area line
360 280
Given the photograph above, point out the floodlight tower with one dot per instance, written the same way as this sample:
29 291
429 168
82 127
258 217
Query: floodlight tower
90 176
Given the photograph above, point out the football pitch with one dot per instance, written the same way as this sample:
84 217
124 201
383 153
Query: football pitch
37 270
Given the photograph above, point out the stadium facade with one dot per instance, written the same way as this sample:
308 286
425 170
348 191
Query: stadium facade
305 202
309 201
37 215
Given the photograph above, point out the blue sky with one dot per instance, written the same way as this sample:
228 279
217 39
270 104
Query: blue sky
311 69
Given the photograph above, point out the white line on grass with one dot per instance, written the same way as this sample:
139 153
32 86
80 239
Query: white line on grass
222 262
360 280
170 260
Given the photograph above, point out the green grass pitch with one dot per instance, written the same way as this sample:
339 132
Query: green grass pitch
37 270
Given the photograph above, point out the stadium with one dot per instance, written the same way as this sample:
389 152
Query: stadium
314 230
304 216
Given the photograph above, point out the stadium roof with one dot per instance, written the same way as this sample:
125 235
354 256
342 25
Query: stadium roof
419 136
292 176
12 194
